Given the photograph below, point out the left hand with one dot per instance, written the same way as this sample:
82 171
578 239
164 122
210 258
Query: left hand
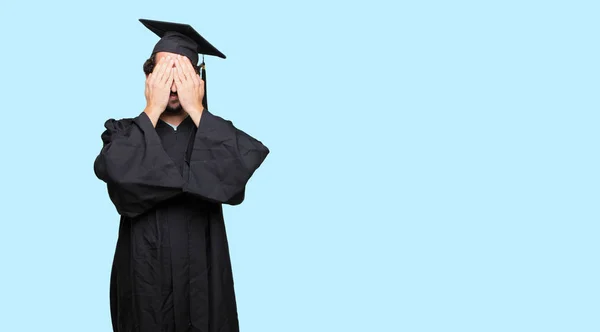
190 87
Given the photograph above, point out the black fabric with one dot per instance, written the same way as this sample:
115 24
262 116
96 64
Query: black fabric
176 37
175 42
171 270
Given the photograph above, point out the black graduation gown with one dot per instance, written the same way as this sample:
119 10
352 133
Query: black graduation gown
171 270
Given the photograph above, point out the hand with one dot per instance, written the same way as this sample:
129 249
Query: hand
190 87
158 88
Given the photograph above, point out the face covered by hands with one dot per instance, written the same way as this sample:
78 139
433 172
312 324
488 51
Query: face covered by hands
158 85
190 87
174 86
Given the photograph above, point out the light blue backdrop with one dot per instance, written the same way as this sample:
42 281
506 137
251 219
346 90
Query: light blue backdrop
433 166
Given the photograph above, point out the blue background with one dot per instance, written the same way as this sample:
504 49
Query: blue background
433 166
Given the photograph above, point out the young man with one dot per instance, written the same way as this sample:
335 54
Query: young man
168 171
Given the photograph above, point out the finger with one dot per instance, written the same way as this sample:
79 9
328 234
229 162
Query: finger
156 70
196 77
177 76
155 76
160 71
170 78
181 68
183 60
191 73
167 65
150 80
200 81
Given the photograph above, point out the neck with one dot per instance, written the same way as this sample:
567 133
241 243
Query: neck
174 119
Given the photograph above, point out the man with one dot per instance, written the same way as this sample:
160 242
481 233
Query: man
168 171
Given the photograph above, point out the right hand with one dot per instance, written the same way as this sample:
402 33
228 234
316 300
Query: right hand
158 86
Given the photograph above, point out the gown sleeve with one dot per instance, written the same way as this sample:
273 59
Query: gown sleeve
222 160
137 170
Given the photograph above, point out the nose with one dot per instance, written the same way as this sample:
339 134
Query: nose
173 87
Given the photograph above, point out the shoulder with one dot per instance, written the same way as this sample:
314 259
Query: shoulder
117 128
212 122
118 125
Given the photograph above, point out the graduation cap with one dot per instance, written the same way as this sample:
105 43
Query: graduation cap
182 39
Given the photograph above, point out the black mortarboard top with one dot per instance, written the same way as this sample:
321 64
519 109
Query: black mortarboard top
182 39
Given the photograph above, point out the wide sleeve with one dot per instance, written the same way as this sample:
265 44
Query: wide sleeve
137 170
222 160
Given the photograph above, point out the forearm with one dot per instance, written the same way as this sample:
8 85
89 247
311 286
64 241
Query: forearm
153 114
196 115
138 172
222 161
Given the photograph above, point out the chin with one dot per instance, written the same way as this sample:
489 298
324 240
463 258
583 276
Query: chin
174 109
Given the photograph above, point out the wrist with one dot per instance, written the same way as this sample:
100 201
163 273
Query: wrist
153 113
196 113
151 109
196 109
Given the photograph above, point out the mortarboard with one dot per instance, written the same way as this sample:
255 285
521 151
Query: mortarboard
182 39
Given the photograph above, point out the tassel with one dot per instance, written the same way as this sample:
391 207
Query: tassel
203 76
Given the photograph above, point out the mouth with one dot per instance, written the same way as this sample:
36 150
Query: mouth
173 96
